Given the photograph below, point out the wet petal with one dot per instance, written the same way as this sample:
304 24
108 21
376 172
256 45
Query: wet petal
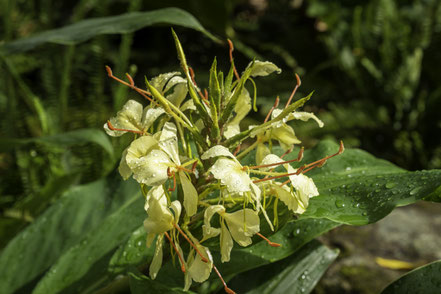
156 264
200 271
150 115
177 208
124 169
226 243
208 230
160 219
169 142
190 194
243 224
263 68
217 150
231 174
304 116
286 136
152 168
129 118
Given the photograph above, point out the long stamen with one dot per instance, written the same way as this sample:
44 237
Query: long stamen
230 44
131 85
203 258
299 158
280 176
322 161
174 182
237 150
177 252
276 103
299 82
273 244
109 124
228 290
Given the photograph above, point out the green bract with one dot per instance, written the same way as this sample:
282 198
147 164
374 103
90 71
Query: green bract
183 157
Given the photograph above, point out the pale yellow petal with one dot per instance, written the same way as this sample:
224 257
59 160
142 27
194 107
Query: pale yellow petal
150 115
217 150
304 116
156 264
242 225
177 208
208 230
152 168
123 168
261 151
285 135
160 219
129 118
226 243
231 174
200 271
263 68
169 142
190 194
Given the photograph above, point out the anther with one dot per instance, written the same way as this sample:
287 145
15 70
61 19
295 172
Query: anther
228 290
230 44
109 124
273 244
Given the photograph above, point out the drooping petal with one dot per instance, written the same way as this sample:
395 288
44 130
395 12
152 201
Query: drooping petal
263 68
155 193
152 168
128 118
217 150
169 142
305 116
160 219
305 188
286 136
156 264
208 230
231 174
123 168
226 243
190 194
200 271
288 198
243 224
150 115
177 208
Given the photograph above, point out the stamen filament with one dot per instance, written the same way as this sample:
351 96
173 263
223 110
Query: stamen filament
299 158
109 124
299 82
273 244
276 103
203 258
230 44
228 290
280 176
237 149
177 252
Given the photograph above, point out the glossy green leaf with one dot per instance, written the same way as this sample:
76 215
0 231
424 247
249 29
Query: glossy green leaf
78 261
119 24
298 273
78 212
425 279
65 139
356 188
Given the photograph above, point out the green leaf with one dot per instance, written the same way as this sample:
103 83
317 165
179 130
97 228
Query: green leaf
356 188
140 284
78 262
425 279
64 139
132 253
298 273
120 24
78 212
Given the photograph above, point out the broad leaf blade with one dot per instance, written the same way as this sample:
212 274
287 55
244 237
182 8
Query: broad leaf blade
120 24
298 273
425 279
76 213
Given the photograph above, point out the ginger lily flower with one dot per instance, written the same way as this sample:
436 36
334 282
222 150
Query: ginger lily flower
239 226
296 200
132 118
159 221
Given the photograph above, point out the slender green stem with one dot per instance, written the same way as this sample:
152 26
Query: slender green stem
246 151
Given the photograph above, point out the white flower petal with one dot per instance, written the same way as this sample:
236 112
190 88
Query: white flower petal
150 115
231 130
160 82
243 224
169 142
285 135
177 208
129 118
208 230
188 105
190 194
263 68
156 192
123 168
217 150
156 264
304 116
200 271
226 243
231 174
152 168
